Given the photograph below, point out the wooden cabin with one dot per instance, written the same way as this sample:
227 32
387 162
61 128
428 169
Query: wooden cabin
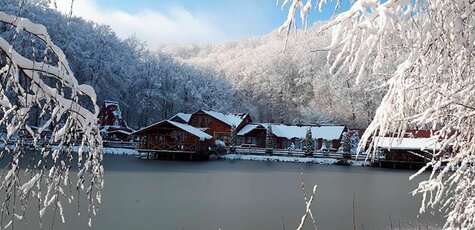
171 140
181 118
218 124
113 126
406 152
291 136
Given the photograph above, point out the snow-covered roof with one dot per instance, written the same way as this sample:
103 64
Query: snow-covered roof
184 116
293 131
230 119
187 128
120 131
190 129
287 131
407 143
107 103
329 132
246 129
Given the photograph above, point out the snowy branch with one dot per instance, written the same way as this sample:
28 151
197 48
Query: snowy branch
433 45
65 113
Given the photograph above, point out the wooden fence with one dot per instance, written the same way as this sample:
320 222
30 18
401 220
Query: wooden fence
292 152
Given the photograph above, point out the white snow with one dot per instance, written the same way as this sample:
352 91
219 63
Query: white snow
230 119
408 143
121 151
187 128
313 160
292 131
185 116
246 129
327 132
107 103
190 129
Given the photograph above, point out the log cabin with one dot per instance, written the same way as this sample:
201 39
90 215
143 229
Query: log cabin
170 139
291 136
112 125
181 118
219 124
406 152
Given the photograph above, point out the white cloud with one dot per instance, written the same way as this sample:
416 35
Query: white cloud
177 25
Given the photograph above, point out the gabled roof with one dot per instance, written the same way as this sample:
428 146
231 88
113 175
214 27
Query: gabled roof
187 128
330 132
184 116
230 119
407 143
108 103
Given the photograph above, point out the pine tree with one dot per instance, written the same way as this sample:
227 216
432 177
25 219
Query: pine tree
233 138
309 142
269 144
345 145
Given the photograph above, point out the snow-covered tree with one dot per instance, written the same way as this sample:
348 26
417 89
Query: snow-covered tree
38 87
269 137
429 84
345 147
233 137
308 142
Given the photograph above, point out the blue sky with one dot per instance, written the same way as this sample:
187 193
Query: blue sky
188 21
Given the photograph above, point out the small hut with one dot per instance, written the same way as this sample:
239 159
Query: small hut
170 139
406 152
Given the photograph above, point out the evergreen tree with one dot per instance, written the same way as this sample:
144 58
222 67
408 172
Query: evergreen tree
269 144
233 138
309 142
345 144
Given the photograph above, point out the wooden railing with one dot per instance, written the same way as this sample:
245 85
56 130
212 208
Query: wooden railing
292 152
171 146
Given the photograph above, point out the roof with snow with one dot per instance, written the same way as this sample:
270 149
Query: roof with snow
230 119
293 131
183 116
108 103
408 143
187 128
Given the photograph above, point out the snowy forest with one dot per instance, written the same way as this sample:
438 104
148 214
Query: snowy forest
255 75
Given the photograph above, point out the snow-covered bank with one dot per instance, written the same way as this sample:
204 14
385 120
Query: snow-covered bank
120 151
313 160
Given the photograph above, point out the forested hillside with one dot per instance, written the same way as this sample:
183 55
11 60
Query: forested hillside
291 85
149 86
254 75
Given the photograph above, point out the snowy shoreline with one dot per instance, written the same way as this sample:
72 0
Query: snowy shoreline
311 160
293 159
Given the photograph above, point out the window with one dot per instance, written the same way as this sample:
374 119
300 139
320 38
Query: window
178 136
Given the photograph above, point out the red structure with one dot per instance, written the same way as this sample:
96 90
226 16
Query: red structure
218 124
169 140
291 136
113 126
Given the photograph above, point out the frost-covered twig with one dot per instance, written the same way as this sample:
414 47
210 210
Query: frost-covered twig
308 204
66 113
428 47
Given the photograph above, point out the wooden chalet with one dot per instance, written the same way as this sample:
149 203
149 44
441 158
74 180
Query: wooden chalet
113 126
405 152
181 118
170 140
218 124
291 136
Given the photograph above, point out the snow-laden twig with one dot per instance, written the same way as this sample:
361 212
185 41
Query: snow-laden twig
66 115
430 85
308 204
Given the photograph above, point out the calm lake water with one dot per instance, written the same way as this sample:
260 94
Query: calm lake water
141 194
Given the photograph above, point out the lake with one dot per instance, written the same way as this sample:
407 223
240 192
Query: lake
224 194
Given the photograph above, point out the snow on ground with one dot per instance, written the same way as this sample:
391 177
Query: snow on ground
313 160
121 151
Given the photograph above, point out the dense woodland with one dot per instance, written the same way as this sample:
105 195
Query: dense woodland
255 75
